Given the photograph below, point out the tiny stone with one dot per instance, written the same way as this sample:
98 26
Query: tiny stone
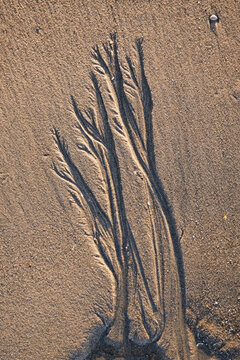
213 18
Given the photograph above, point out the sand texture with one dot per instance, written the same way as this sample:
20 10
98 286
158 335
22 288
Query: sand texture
119 180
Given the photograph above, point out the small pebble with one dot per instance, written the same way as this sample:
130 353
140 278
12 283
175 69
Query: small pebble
213 18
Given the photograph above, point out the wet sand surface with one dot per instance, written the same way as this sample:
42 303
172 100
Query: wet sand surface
119 180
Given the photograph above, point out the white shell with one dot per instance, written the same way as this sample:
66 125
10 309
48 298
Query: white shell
213 18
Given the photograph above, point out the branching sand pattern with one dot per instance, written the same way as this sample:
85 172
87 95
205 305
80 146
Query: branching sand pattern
148 321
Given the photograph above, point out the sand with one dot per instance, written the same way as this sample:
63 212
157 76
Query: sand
119 181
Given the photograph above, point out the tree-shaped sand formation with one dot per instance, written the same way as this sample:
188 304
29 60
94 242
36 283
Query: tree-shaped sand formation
148 312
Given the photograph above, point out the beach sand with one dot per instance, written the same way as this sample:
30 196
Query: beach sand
58 292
